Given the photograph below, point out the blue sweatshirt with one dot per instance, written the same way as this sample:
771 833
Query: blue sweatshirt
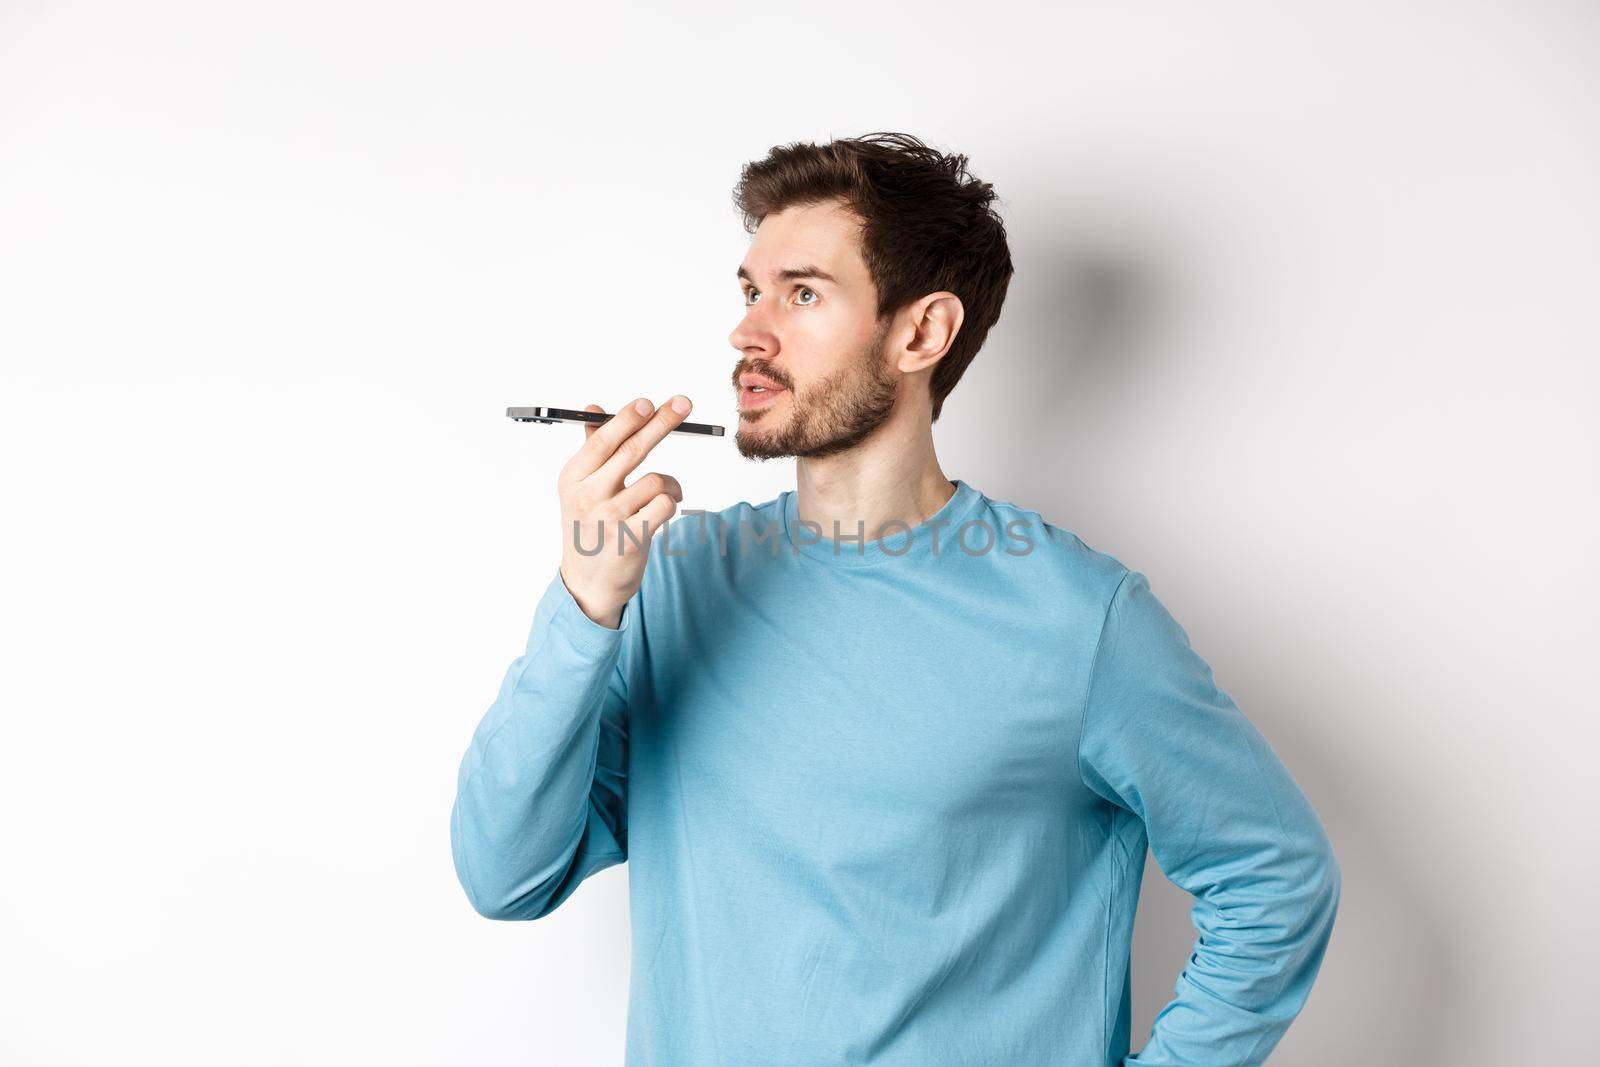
886 800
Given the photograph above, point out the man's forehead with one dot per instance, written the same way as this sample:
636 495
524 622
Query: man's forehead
816 241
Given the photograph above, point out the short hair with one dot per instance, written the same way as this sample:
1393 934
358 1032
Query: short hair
927 226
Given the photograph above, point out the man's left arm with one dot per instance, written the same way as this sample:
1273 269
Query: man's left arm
1225 821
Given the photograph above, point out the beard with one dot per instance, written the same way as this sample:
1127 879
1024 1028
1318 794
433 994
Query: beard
833 416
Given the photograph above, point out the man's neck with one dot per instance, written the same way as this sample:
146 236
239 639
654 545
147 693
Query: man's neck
861 497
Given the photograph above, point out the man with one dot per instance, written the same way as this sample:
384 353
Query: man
884 754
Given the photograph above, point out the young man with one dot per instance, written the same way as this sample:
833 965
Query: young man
884 754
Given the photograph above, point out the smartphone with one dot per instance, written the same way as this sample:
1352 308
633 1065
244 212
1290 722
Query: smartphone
598 418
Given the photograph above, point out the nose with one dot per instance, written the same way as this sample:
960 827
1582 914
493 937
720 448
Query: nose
753 333
743 336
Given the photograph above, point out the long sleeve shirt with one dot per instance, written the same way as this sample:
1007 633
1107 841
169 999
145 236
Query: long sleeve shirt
886 800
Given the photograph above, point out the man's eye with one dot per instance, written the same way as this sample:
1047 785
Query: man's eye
755 293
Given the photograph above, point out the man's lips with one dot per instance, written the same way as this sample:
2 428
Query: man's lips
756 390
751 397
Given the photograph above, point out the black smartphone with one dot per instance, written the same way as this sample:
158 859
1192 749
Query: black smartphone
598 418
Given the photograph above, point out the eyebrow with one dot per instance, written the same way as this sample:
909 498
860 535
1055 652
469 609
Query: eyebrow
792 273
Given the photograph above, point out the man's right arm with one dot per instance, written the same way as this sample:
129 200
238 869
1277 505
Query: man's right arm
541 797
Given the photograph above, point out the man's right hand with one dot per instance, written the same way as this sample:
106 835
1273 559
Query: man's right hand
596 506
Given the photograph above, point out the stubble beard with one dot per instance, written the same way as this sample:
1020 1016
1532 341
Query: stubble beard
833 416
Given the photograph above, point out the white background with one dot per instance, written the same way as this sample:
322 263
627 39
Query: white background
1304 327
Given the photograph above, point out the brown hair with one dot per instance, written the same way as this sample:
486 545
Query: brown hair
927 226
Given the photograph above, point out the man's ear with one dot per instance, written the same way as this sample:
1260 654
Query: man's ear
936 318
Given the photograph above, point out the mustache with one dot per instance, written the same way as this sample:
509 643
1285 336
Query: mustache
765 372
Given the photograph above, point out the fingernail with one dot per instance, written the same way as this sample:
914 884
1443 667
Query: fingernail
642 406
680 404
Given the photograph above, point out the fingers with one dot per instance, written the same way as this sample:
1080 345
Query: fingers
601 441
632 499
657 513
629 444
588 431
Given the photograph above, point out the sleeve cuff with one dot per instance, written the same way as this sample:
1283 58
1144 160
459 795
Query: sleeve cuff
583 632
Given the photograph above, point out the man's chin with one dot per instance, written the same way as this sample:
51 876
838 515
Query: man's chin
762 439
